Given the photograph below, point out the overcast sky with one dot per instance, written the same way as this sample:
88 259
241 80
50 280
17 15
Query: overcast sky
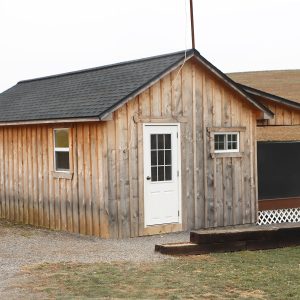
45 37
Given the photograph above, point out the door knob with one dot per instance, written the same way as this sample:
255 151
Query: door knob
148 177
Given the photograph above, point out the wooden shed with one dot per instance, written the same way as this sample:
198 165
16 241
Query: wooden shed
278 143
161 144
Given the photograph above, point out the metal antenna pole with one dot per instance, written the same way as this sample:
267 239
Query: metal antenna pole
192 24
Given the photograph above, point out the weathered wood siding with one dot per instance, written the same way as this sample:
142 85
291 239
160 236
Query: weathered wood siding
285 126
104 197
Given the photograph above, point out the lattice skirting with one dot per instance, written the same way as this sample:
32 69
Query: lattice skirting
287 215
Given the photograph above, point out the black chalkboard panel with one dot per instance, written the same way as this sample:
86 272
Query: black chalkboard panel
278 166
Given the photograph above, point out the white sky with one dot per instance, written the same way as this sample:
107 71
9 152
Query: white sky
45 37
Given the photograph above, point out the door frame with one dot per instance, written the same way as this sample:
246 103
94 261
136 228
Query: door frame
161 124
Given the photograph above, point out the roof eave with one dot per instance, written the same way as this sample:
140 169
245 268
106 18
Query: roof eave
50 121
271 97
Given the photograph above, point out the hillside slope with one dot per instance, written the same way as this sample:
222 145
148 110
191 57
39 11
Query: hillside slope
283 83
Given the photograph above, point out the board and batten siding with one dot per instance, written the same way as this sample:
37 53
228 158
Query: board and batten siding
285 126
104 195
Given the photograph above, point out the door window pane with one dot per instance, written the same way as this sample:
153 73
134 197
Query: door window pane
160 141
167 141
161 174
153 141
153 158
161 157
153 173
168 172
168 157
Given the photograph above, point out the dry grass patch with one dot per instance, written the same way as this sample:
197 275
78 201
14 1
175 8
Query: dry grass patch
273 274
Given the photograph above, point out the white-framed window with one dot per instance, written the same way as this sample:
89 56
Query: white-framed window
225 142
61 150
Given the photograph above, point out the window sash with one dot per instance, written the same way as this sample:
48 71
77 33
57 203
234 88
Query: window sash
61 149
227 142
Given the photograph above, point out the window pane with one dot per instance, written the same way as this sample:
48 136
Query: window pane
168 173
61 138
161 174
167 157
232 137
167 141
153 173
62 161
153 141
153 158
160 141
219 141
219 146
161 157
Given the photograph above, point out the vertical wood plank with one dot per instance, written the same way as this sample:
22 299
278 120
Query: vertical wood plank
87 178
188 104
200 172
104 208
25 174
40 179
51 179
15 173
34 163
45 174
81 195
75 186
204 117
209 161
69 184
20 175
2 174
123 182
176 93
132 108
155 100
166 96
112 182
10 176
141 178
95 167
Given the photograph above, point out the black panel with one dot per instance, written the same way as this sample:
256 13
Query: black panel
278 169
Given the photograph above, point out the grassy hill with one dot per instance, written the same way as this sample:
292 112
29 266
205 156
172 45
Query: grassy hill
284 83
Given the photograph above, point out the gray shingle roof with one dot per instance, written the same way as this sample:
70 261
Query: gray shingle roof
93 93
86 93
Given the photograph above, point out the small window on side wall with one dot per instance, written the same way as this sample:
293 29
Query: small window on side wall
61 150
226 142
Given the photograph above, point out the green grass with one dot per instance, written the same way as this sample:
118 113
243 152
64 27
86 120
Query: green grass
273 274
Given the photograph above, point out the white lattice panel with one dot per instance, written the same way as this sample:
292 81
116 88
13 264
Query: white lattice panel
287 215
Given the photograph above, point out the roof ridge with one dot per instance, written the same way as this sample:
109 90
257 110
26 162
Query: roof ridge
263 71
107 66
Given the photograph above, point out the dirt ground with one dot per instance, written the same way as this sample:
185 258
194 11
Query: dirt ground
22 247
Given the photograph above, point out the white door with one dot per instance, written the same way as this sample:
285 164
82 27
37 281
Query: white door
161 174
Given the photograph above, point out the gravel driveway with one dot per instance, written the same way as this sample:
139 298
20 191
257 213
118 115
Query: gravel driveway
22 246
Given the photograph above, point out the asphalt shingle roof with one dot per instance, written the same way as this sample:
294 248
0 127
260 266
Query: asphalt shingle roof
86 93
93 93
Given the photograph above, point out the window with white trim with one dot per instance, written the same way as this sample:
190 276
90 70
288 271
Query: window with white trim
61 150
226 142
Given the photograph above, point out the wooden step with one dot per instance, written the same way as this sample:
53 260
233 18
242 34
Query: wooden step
237 238
178 248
